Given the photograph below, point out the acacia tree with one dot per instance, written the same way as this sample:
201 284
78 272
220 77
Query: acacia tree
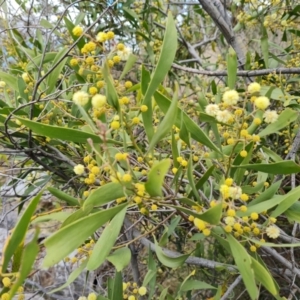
166 135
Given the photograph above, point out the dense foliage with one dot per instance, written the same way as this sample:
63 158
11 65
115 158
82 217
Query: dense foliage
165 134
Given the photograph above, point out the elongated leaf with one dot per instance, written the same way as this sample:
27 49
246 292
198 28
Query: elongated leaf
232 65
9 80
166 124
288 200
36 61
63 196
211 216
72 277
19 231
191 180
165 61
54 75
59 216
282 167
28 258
120 258
107 239
285 118
196 132
128 66
243 262
78 214
156 178
267 194
169 230
111 93
70 237
264 43
195 285
263 276
65 134
293 213
104 194
171 262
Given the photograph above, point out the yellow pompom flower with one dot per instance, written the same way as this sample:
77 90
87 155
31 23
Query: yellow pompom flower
93 90
92 296
253 248
120 46
144 108
199 224
254 87
81 98
229 181
128 84
101 37
244 197
98 101
230 97
142 291
243 153
272 232
154 207
254 216
74 62
6 282
110 35
136 120
115 125
77 31
206 232
78 169
231 212
262 102
127 178
95 170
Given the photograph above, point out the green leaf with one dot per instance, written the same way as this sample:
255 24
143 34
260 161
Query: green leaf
70 237
165 61
211 216
9 80
293 213
63 196
117 292
288 200
106 241
156 178
282 167
267 194
19 231
36 61
263 276
72 277
191 180
243 262
104 194
169 230
196 132
192 284
171 262
285 118
78 214
28 258
55 132
232 66
264 43
166 125
59 216
128 66
54 75
120 258
111 92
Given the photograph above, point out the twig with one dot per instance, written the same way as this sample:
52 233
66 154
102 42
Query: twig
232 286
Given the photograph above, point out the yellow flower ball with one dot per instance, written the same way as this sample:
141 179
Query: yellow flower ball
95 170
81 98
127 178
115 125
244 197
93 90
128 84
101 37
206 232
253 248
144 108
136 120
116 59
78 169
74 62
120 46
243 153
231 212
98 101
110 35
229 181
230 97
254 216
262 102
142 291
6 282
77 31
254 87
